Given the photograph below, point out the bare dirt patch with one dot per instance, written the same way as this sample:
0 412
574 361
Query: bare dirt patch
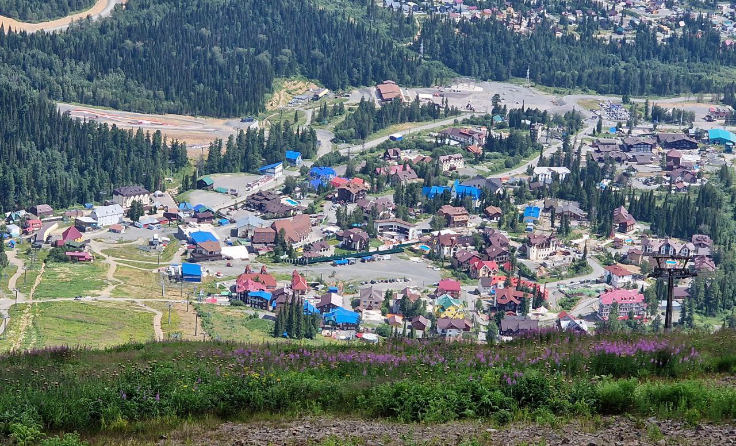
288 90
310 431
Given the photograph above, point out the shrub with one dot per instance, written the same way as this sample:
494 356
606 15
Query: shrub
616 397
502 417
66 440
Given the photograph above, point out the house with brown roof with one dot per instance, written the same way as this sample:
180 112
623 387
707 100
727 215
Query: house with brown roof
455 216
206 251
383 207
463 258
447 244
351 192
41 210
493 213
329 301
639 144
371 298
296 230
450 327
263 236
539 246
498 254
393 154
421 323
389 91
355 239
126 195
678 141
514 325
622 220
464 136
673 158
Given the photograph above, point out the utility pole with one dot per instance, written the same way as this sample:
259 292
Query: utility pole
196 324
170 304
671 267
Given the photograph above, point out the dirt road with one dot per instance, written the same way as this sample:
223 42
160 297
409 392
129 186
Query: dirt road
103 8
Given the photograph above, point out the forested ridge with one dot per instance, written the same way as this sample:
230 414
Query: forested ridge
42 10
216 58
489 50
46 157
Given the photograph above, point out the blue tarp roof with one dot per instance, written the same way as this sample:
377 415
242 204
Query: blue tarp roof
322 172
341 316
532 211
309 308
191 269
202 236
261 294
462 191
270 166
224 221
185 206
431 192
293 155
721 134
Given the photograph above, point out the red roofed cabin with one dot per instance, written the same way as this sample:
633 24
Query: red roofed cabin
72 234
298 284
79 256
448 286
32 226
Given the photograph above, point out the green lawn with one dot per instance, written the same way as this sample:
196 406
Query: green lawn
62 280
5 276
139 284
234 324
132 252
91 324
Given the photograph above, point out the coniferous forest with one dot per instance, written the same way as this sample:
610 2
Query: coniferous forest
40 11
46 157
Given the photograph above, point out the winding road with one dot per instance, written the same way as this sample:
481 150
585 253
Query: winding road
102 8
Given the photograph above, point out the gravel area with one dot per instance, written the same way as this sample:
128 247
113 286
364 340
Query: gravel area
613 431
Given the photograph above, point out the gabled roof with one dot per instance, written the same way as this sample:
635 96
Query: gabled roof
71 233
293 155
448 285
342 316
130 191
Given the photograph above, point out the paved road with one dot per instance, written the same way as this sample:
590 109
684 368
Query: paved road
101 9
553 287
419 128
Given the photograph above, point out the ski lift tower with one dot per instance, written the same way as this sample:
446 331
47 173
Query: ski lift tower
671 267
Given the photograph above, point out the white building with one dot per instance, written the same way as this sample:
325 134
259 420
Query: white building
451 162
108 215
126 195
618 276
545 174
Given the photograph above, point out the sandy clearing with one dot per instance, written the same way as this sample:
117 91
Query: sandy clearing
101 8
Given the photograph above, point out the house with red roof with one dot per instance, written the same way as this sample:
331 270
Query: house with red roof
618 275
483 268
298 283
627 300
448 286
243 284
72 234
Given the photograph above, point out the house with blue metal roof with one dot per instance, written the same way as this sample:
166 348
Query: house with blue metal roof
342 319
431 192
275 170
721 137
202 236
191 272
201 208
459 190
260 300
185 207
294 157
